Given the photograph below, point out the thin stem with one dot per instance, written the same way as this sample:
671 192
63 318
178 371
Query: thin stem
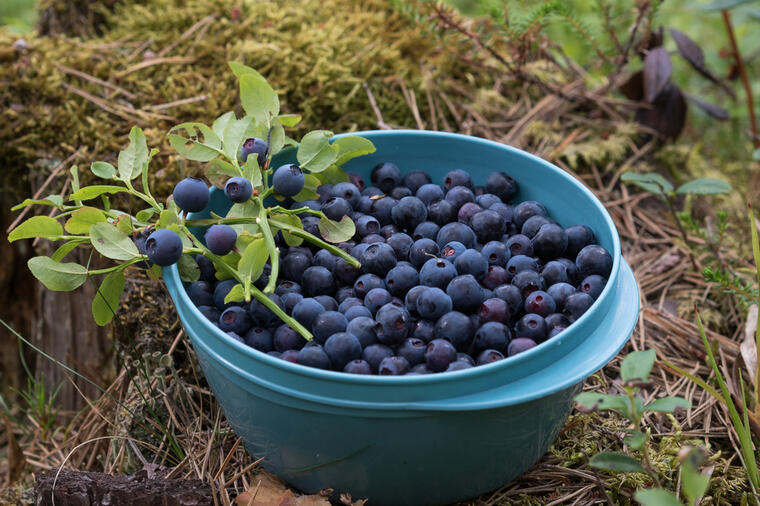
684 236
119 266
316 240
266 193
743 73
637 428
300 210
274 252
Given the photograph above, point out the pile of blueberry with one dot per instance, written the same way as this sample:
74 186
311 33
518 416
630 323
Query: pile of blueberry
452 276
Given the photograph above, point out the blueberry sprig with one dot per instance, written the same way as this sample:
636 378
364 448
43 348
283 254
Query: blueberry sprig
237 153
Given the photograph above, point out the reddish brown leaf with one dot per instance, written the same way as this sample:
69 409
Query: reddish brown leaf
693 54
657 70
713 110
633 88
266 490
668 112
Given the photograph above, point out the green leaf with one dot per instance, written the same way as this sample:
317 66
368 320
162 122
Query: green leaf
244 210
336 231
333 174
252 172
756 154
705 186
315 153
309 191
236 294
252 261
144 215
651 182
200 143
258 98
635 440
233 136
36 226
218 171
167 217
240 70
720 5
592 401
293 220
351 147
656 497
64 250
112 243
106 301
74 178
103 170
667 404
81 220
276 139
637 365
614 461
124 224
220 123
132 159
52 200
91 192
695 484
57 276
188 269
289 120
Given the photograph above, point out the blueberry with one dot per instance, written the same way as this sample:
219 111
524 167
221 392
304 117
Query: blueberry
288 287
532 326
211 313
364 205
555 272
540 303
324 191
413 350
348 303
365 283
326 324
452 250
235 336
314 355
336 208
318 281
456 328
293 265
456 177
373 238
401 243
420 369
560 292
238 189
472 262
374 354
345 273
506 212
344 292
376 298
356 180
324 258
525 210
206 266
511 295
572 269
364 328
342 348
262 315
357 312
421 251
528 282
557 320
554 331
372 191
432 303
401 279
393 324
314 205
578 237
259 339
290 356
458 365
347 191
549 242
191 195
235 319
288 180
437 272
311 225
488 357
467 211
520 245
496 276
439 353
389 230
400 192
593 285
385 176
220 292
306 311
465 292
357 367
488 225
458 232
329 303
459 196
532 224
496 252
415 179
487 200
492 335
426 229
576 305
255 146
424 329
410 301
220 239
275 354
200 293
382 210
289 301
494 310
502 185
367 225
378 259
393 366
409 213
442 212
591 259
519 345
163 247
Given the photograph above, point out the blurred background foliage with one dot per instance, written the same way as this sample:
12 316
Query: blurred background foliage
18 15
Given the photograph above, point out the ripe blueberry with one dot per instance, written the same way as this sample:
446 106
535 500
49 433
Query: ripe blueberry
255 146
385 176
220 239
163 247
288 180
191 195
238 189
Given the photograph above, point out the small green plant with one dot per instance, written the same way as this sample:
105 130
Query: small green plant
634 374
117 235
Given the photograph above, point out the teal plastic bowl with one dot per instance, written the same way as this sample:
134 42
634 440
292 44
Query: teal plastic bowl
430 439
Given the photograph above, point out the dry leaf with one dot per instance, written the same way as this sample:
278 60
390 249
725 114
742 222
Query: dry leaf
666 262
266 490
748 347
657 70
16 459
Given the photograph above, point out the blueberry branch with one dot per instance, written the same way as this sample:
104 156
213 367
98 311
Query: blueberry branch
300 210
298 232
274 252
